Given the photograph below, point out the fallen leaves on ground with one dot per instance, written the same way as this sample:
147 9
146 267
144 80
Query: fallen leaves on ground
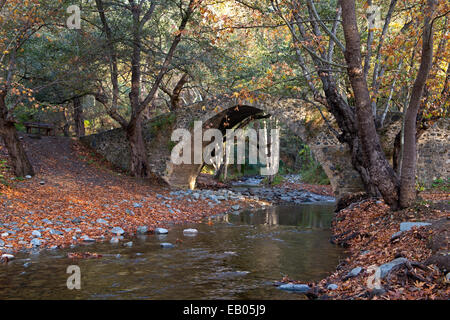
366 229
83 255
77 193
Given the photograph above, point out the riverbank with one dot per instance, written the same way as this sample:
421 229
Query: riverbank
77 197
413 263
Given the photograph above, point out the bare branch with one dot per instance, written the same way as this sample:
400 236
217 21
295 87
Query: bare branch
334 30
324 27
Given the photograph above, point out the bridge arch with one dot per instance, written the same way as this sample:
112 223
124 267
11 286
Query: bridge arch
302 120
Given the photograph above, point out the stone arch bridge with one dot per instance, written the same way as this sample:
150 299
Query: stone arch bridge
303 120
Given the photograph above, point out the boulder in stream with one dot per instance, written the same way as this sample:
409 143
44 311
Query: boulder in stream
301 288
161 231
190 232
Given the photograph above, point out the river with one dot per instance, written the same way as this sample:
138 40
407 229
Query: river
238 256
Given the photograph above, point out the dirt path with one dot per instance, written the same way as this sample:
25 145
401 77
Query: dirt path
76 195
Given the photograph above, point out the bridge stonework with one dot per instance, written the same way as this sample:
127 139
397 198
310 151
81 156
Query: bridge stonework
303 120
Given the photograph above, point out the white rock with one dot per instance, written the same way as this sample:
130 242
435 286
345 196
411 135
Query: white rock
114 240
161 231
117 230
7 256
190 232
36 242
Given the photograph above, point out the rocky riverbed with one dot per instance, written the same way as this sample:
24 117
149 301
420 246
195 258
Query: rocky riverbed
115 218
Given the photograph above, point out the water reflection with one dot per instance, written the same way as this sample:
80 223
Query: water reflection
306 216
237 259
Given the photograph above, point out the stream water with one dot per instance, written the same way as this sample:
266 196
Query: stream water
237 257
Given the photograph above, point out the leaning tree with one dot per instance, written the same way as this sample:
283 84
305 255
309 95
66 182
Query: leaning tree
324 52
20 21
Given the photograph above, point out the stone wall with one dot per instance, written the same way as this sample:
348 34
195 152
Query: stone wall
113 145
433 160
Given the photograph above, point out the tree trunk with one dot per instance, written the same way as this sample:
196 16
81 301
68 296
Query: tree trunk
373 158
219 171
138 153
66 125
408 170
19 159
78 117
396 155
176 94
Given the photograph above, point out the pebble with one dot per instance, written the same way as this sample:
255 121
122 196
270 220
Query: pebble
76 220
166 245
161 231
142 229
353 273
102 221
57 232
86 238
332 286
190 232
46 221
36 242
117 230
